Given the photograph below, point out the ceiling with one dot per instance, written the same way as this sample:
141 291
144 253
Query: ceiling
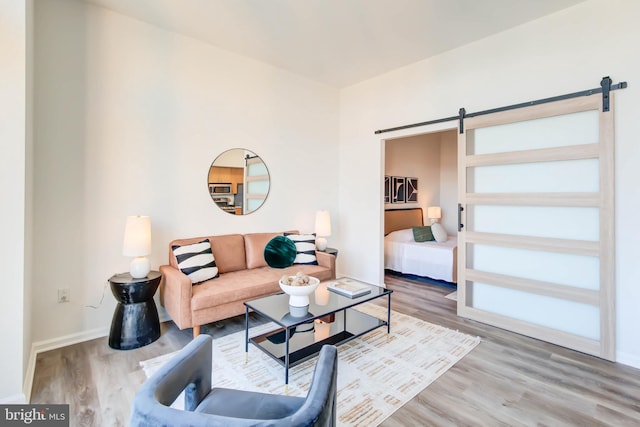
337 42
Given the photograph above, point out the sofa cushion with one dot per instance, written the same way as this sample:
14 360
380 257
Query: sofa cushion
280 252
254 245
181 242
236 286
229 252
246 285
305 248
196 261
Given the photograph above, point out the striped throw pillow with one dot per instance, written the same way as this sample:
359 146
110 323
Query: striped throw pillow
196 261
305 248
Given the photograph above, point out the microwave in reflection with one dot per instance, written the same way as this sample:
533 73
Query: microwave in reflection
220 188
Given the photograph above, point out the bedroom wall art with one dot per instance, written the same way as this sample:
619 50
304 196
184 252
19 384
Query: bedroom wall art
412 189
400 189
387 189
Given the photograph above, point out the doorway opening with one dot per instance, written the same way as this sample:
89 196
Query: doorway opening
420 187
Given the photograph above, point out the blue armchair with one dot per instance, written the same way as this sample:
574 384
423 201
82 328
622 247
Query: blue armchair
190 370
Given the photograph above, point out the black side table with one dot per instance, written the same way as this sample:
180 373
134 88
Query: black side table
135 321
332 251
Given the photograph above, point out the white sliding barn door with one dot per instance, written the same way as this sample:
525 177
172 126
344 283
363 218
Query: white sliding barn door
536 249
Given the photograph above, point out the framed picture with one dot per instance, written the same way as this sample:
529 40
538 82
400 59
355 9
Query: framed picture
387 189
412 189
398 186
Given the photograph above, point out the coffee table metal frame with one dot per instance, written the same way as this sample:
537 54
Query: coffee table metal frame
292 343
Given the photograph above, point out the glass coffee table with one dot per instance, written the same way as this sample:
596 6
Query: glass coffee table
330 319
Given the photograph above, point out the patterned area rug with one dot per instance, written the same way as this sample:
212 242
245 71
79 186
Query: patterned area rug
377 374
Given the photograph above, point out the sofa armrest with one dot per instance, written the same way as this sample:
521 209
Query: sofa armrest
175 295
327 260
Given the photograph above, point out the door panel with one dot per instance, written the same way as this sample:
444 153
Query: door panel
579 271
566 316
548 132
536 250
535 177
581 223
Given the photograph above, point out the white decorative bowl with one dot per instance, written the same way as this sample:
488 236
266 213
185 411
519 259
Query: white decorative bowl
299 295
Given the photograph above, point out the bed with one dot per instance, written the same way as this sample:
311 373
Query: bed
436 260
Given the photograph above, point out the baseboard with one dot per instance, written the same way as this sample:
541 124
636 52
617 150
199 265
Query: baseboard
27 386
70 339
628 359
16 399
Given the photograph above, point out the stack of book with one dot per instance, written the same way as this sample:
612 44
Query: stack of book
349 287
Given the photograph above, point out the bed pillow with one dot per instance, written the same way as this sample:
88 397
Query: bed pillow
305 248
196 261
422 234
439 233
405 235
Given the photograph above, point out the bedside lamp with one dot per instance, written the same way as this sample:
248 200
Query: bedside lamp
323 229
434 213
137 244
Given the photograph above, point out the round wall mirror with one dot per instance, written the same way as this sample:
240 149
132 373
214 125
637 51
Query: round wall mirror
238 181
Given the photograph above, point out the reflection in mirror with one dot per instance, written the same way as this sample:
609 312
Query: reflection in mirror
238 181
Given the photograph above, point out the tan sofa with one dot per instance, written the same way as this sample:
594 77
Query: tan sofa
244 275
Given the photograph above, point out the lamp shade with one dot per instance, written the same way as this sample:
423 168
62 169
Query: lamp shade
323 224
137 236
323 229
434 212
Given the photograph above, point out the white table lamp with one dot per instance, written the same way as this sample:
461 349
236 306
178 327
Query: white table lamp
323 229
137 244
434 213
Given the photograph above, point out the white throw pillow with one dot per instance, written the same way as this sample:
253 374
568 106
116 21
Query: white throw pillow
439 233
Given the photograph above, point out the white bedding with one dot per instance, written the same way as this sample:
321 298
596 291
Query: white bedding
430 259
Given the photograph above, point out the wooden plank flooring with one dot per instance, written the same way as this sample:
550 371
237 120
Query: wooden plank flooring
507 380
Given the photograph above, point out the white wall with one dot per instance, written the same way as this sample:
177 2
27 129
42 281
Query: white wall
13 42
128 118
564 52
28 358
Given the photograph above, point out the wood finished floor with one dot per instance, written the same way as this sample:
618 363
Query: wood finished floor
507 380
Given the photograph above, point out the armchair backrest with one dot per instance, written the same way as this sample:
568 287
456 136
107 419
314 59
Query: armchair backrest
319 408
190 370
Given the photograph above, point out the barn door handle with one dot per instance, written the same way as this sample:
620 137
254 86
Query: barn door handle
460 224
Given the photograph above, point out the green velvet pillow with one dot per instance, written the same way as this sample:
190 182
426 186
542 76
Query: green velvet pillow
280 252
423 234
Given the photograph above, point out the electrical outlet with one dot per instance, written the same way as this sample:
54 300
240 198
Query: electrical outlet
63 295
